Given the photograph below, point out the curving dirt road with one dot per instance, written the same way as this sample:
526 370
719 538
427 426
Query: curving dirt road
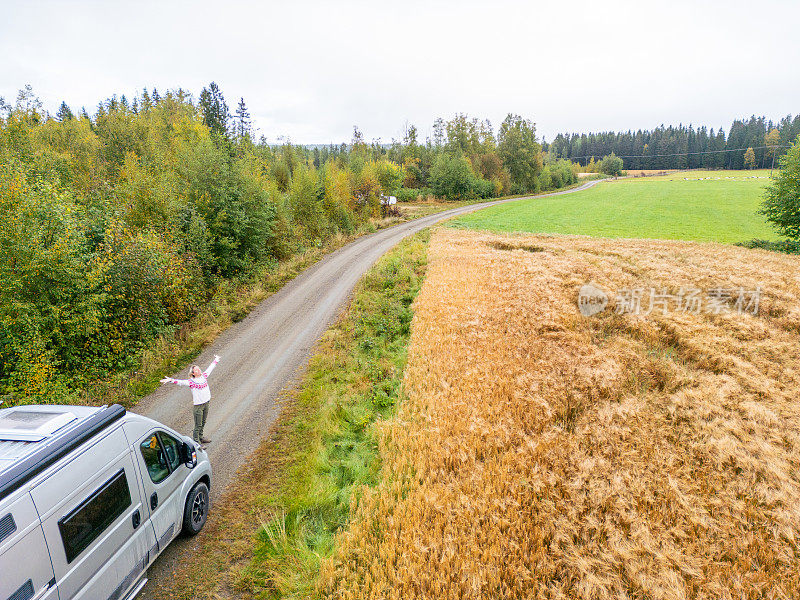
265 352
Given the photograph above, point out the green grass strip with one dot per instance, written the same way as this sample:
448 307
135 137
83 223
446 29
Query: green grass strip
353 381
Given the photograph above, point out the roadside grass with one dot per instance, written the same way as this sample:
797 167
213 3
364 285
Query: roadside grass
716 206
353 381
785 246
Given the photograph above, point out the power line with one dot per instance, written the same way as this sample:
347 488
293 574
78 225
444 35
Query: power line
680 153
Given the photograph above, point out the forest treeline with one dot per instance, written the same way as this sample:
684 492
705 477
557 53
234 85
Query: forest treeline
684 147
117 227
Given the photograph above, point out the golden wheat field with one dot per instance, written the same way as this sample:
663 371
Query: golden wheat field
543 454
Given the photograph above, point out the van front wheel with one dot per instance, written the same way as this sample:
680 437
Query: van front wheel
196 511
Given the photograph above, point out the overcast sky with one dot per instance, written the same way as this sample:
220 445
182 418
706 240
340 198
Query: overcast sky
311 70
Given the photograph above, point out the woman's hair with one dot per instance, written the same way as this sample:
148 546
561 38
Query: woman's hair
191 370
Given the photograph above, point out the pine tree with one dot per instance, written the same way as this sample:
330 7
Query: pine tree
146 103
358 143
215 110
64 113
438 132
242 120
736 139
720 157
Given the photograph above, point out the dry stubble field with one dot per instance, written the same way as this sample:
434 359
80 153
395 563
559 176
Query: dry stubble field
543 454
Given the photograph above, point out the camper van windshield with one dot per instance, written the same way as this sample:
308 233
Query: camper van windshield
154 458
173 450
161 458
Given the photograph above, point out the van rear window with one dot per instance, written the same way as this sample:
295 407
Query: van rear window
86 522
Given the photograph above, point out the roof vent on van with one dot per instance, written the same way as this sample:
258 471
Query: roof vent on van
25 425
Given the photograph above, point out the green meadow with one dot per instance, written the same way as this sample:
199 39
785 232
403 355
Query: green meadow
719 206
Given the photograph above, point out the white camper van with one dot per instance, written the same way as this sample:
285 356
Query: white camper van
89 497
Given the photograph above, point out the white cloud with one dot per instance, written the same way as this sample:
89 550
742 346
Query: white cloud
312 70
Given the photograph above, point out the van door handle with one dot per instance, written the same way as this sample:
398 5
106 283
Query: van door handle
44 590
136 519
153 501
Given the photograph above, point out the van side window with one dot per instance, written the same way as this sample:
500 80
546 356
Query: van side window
154 458
91 517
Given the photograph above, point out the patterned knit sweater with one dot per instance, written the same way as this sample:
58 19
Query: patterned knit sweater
198 385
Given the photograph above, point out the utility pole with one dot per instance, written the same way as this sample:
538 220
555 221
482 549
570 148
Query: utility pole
774 152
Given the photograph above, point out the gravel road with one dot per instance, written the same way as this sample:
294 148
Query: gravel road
265 353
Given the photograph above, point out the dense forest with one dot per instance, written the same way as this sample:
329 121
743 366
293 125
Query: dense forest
684 147
116 227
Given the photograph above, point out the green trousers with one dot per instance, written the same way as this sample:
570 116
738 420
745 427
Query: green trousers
200 414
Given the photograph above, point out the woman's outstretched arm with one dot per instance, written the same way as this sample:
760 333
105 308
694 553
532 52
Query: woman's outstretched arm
175 381
211 366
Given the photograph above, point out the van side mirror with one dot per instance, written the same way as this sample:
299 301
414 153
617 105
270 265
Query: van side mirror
188 455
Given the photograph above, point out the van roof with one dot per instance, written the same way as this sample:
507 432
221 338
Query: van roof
34 437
